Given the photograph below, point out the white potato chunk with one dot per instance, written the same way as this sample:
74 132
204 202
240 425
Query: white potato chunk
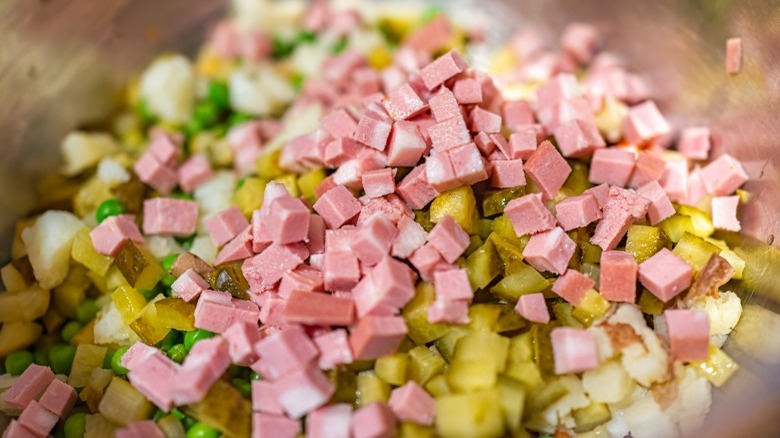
112 172
645 419
692 403
82 150
168 88
724 313
48 244
259 90
25 305
609 383
203 247
161 246
110 329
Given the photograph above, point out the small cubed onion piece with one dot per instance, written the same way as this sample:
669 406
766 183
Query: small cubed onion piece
643 241
590 417
510 254
17 335
424 363
249 196
97 426
88 357
83 150
111 329
48 243
459 203
512 395
392 369
175 313
129 303
695 251
483 346
493 203
25 305
138 266
224 408
259 91
93 392
701 222
415 314
371 389
676 225
526 280
592 307
148 326
446 344
438 386
471 375
171 427
168 88
123 404
470 415
718 367
483 265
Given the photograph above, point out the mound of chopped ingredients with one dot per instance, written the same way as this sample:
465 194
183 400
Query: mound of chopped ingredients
331 224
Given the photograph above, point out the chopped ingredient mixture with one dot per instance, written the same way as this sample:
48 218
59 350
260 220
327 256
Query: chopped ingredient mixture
332 224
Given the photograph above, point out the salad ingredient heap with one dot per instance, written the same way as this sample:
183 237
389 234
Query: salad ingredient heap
332 224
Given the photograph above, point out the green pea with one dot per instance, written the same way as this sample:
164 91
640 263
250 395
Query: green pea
305 37
431 13
179 414
338 46
190 338
186 242
297 81
281 48
200 430
238 118
243 386
61 358
116 361
108 208
159 413
70 329
193 127
107 360
41 356
18 361
255 376
168 261
219 94
172 338
86 311
206 113
184 196
177 353
240 183
148 294
75 425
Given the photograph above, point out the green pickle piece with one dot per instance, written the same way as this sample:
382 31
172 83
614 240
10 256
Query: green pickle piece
138 266
229 278
643 241
424 363
415 314
695 251
483 265
526 280
458 203
510 253
493 203
591 416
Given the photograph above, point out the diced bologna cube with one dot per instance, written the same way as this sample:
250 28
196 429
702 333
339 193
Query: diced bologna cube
341 270
550 251
302 391
449 239
194 172
485 121
660 206
411 235
337 207
378 182
170 216
572 286
533 308
529 215
415 189
724 213
723 176
695 143
516 114
600 192
373 132
58 398
578 138
189 285
264 399
241 247
109 236
277 426
449 133
612 166
37 419
468 164
443 68
28 386
404 103
580 40
377 336
574 350
156 174
689 334
675 179
406 144
374 239
339 124
449 311
288 220
332 421
548 170
507 173
334 349
316 308
412 403
522 144
733 55
647 168
241 338
617 277
225 225
453 285
444 106
665 275
375 420
467 91
577 211
645 123
286 351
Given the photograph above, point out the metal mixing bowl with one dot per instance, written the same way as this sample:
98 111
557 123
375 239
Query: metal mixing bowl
62 63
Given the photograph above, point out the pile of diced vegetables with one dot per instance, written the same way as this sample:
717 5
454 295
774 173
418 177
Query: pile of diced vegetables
331 224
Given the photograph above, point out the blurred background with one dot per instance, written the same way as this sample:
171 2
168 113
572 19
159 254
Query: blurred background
63 63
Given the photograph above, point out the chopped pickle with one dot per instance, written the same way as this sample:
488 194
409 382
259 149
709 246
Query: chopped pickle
695 251
643 241
66 297
592 307
476 414
521 349
727 253
345 382
577 182
509 320
123 404
268 165
591 416
676 225
129 302
86 335
371 389
474 243
309 181
483 316
483 265
392 369
484 227
510 254
415 314
97 426
650 304
18 335
493 203
131 194
487 347
249 196
458 203
563 313
540 400
512 395
88 357
718 367
93 392
471 375
438 386
84 252
423 218
148 326
590 253
224 408
289 180
412 430
446 344
504 228
700 220
526 280
424 363
543 354
138 266
593 272
528 374
229 278
175 313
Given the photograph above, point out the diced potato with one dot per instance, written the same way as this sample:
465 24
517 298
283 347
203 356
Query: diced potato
93 392
268 166
392 369
526 280
424 363
225 409
592 307
148 326
84 252
175 313
646 415
459 203
371 389
249 197
486 347
643 241
87 358
609 383
111 329
259 90
695 251
700 220
512 395
472 415
471 375
67 296
23 305
12 278
82 150
123 404
483 265
415 314
718 368
139 267
168 88
48 244
590 417
97 426
438 386
18 335
129 303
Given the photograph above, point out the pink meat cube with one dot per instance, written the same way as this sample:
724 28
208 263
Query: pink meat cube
213 316
341 270
578 138
733 55
600 192
449 239
334 349
689 334
529 215
453 285
332 421
159 176
164 147
647 168
665 275
675 179
189 285
645 123
548 170
388 286
411 235
468 164
37 419
507 173
517 114
341 150
137 354
304 278
617 277
404 103
412 403
522 144
449 133
580 40
612 227
170 216
264 270
449 312
533 308
154 378
574 350
194 172
467 91
444 105
696 188
426 259
406 144
58 398
378 182
723 176
338 68
695 143
316 236
373 131
439 172
572 286
443 68
241 337
286 351
288 220
204 365
16 430
264 399
430 36
375 420
415 189
339 123
110 236
239 248
560 87
302 391
577 211
29 386
660 206
612 166
374 239
485 121
316 308
274 426
337 207
555 116
377 336
225 225
550 251
724 213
